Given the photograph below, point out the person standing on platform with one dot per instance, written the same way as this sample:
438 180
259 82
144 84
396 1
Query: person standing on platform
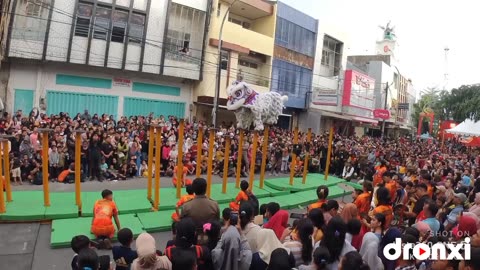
102 226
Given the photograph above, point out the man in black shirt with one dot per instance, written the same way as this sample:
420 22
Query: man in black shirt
422 195
107 150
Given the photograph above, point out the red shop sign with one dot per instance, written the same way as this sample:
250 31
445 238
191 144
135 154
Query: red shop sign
381 113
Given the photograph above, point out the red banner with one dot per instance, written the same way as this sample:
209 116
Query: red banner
381 113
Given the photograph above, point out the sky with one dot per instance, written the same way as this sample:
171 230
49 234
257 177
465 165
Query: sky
424 28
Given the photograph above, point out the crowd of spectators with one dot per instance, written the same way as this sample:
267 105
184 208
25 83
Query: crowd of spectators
411 189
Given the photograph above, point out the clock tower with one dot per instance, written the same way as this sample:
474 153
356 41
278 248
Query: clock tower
387 46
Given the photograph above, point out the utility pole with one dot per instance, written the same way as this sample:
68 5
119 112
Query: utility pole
219 68
385 107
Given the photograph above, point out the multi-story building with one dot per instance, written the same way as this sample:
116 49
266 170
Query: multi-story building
120 57
247 52
293 61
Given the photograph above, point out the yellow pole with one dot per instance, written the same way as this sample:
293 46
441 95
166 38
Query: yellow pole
158 146
239 159
2 196
307 156
226 161
294 156
211 140
151 142
198 170
6 164
46 192
180 179
264 156
78 172
253 158
329 153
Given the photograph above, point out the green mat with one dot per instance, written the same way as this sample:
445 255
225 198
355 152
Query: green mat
160 221
26 206
355 185
63 230
313 181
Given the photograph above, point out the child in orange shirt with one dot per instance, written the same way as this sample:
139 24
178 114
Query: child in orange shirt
241 196
185 181
102 226
185 198
322 194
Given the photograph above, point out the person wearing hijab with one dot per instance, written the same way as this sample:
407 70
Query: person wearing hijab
232 251
467 227
278 223
249 229
369 251
266 243
147 255
389 237
475 208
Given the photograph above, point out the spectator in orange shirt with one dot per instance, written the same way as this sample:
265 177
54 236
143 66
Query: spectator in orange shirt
364 200
185 198
241 196
102 226
379 171
322 194
390 185
426 179
384 205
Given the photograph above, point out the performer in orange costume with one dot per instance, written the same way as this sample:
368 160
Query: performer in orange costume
103 211
364 200
241 196
322 194
183 200
184 180
378 176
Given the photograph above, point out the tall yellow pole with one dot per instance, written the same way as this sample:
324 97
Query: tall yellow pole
180 179
198 170
158 146
211 141
294 156
239 159
253 159
78 170
264 156
46 191
151 142
226 162
3 208
6 164
329 153
307 156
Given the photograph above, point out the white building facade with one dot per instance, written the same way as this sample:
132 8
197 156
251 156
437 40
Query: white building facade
120 57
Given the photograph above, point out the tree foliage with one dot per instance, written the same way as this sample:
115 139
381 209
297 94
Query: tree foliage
458 104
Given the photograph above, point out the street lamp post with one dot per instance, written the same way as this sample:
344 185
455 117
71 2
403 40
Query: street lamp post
386 102
219 67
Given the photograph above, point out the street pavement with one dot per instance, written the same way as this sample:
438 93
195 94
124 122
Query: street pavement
26 246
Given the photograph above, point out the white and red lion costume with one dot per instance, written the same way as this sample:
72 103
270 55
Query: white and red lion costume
252 107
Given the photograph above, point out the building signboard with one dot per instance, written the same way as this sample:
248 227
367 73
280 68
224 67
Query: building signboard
122 82
327 97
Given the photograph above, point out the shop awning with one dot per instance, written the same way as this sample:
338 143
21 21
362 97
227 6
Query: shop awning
365 120
335 115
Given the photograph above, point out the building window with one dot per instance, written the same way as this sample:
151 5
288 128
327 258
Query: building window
248 64
137 24
102 23
225 60
332 55
295 37
120 19
31 19
240 21
82 23
185 34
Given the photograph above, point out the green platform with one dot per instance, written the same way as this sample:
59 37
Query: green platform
160 221
128 201
64 229
313 181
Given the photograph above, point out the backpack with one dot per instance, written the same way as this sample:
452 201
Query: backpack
198 251
253 200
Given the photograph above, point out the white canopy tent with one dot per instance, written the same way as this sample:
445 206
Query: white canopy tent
466 128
